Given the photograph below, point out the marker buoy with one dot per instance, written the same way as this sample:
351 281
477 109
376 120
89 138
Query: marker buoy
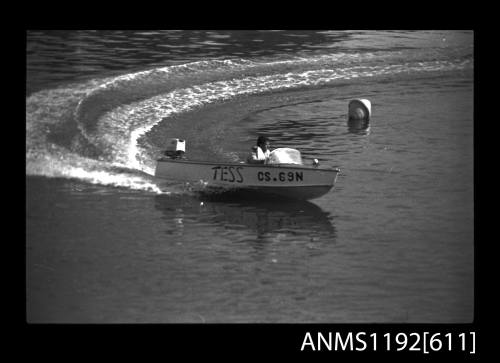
360 109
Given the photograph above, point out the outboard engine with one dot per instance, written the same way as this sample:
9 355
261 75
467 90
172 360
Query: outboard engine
176 149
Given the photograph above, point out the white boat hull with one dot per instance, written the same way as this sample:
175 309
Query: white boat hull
289 180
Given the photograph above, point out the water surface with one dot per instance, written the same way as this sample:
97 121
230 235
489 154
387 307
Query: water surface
393 242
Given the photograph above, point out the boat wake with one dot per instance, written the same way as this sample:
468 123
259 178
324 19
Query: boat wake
98 131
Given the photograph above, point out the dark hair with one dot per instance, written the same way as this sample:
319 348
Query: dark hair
262 140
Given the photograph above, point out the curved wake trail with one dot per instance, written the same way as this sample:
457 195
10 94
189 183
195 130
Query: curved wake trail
152 111
90 131
48 109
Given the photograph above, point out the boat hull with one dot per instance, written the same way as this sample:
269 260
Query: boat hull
286 180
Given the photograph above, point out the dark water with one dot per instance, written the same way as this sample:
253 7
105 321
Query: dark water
393 242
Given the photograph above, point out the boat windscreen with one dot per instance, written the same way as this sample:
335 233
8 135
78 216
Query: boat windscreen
285 155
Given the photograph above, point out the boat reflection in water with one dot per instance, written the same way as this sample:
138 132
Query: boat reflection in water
258 220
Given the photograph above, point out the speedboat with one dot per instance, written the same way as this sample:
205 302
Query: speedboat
283 174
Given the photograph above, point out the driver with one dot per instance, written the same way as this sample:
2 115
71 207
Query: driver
260 152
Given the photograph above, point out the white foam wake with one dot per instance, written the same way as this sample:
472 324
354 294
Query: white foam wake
150 112
62 164
119 130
